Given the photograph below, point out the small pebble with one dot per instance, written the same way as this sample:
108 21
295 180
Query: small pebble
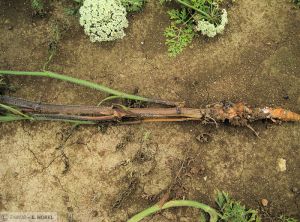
264 202
281 164
295 190
286 97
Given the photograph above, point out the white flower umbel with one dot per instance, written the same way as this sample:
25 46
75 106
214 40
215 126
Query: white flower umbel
103 20
211 30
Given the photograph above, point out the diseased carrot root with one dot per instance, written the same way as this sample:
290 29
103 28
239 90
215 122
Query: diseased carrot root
240 110
284 115
237 114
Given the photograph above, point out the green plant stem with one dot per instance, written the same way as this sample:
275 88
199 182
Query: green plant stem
87 84
196 9
11 117
107 99
14 111
176 203
75 81
48 60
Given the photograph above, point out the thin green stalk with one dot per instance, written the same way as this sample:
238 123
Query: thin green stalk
176 203
196 9
11 117
108 98
48 60
76 81
15 111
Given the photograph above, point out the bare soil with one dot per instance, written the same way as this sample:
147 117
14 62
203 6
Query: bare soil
112 172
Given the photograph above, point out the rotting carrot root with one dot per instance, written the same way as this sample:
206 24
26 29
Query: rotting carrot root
234 113
282 114
242 111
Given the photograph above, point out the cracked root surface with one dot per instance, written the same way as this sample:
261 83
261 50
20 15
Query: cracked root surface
89 175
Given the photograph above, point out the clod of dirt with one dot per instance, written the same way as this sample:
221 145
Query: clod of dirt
95 213
70 209
281 165
264 202
204 138
125 140
146 152
295 190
